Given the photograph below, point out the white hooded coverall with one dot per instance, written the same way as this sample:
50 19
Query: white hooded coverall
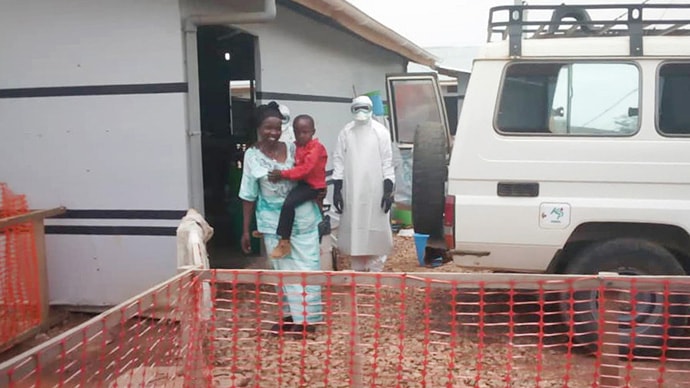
363 160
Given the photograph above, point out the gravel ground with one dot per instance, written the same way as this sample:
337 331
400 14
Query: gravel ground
413 343
393 346
404 259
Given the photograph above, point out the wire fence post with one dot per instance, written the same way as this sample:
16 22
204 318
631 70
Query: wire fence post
353 324
191 338
609 341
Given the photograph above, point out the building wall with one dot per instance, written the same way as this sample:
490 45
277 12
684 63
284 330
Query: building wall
74 143
303 59
93 116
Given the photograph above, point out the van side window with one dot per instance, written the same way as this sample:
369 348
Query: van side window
579 99
674 94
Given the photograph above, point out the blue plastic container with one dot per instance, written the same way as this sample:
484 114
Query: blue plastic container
377 103
420 243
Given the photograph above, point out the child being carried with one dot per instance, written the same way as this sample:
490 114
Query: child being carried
310 172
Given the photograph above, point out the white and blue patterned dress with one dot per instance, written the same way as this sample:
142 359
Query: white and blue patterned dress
304 242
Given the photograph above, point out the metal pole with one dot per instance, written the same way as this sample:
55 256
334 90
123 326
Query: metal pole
357 378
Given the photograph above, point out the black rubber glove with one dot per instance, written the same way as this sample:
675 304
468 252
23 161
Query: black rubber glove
338 196
387 199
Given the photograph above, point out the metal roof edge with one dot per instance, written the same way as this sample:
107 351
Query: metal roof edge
451 72
363 25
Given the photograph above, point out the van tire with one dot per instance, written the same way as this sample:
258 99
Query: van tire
429 172
626 256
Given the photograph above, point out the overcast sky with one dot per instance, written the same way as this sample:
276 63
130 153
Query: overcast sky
433 23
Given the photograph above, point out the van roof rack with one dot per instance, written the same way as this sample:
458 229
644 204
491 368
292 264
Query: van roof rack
567 21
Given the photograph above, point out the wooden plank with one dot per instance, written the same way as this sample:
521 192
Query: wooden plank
609 369
449 279
31 216
39 240
355 345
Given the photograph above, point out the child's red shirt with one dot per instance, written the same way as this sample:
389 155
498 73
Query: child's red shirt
310 165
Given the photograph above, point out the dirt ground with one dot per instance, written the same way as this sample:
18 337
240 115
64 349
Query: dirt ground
59 321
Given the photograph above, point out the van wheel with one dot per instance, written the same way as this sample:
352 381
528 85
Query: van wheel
627 257
429 171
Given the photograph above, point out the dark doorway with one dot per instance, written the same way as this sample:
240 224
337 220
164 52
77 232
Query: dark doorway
227 82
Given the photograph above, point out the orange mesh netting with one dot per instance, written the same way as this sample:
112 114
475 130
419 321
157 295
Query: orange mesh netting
19 276
377 330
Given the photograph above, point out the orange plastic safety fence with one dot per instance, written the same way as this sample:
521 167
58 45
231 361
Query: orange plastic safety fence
20 303
287 329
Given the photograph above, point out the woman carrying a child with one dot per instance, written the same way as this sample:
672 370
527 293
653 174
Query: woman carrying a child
265 197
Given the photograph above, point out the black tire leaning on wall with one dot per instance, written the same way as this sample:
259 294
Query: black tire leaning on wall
429 174
628 256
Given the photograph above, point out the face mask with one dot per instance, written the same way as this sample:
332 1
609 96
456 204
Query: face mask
361 113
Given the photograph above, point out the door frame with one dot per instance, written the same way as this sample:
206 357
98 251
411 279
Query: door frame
195 172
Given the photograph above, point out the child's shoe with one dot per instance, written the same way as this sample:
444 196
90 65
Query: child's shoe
281 250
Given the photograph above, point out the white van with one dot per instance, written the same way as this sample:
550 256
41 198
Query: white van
572 152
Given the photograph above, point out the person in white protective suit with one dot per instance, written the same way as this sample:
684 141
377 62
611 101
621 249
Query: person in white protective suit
287 135
364 178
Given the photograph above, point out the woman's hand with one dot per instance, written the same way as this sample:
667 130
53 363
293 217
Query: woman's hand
246 243
274 176
247 209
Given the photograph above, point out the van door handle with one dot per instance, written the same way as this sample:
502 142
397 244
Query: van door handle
518 189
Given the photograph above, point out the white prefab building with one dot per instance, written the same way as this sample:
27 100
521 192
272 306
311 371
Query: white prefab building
123 111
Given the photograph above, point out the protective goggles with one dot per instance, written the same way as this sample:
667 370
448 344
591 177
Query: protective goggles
360 108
